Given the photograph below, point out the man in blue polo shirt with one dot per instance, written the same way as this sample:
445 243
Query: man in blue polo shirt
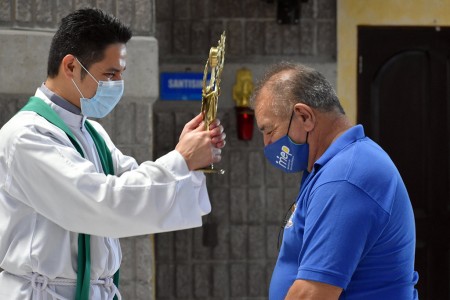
351 234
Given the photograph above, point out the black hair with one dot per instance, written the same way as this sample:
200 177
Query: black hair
85 33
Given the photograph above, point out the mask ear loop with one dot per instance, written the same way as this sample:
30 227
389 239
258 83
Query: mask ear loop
290 121
77 88
89 75
86 70
289 127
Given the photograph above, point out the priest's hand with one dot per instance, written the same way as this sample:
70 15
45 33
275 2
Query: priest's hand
200 147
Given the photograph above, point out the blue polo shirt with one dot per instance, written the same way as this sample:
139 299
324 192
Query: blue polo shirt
353 226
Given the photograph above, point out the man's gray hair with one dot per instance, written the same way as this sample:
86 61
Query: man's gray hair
291 83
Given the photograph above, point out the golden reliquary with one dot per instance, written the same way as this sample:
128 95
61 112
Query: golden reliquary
211 89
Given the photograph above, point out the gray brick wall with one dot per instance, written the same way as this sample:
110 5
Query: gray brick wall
250 200
248 206
46 14
9 105
185 28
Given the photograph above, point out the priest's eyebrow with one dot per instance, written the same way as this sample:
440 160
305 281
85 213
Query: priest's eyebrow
115 70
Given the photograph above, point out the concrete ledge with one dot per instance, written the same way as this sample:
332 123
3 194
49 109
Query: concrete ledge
142 74
23 63
23 60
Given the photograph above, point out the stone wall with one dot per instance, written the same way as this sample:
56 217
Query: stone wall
44 14
187 28
236 259
26 28
250 200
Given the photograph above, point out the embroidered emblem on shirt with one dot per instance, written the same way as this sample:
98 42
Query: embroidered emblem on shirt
289 223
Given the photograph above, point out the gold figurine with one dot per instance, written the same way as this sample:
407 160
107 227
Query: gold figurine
243 88
211 89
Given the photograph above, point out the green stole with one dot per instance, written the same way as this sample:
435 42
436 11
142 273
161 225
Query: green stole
37 105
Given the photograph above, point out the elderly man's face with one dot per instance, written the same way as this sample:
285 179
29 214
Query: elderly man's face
271 126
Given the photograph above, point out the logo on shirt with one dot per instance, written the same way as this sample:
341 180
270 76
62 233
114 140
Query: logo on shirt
289 223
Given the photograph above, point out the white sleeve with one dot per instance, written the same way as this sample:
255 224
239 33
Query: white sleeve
50 176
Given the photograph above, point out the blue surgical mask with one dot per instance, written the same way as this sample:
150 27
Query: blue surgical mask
287 155
107 96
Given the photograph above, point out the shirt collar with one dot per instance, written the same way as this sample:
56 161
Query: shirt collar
348 137
58 100
73 120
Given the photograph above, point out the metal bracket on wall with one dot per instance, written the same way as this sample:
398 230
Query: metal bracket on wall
288 11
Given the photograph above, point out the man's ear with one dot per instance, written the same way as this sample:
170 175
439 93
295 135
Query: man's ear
67 66
306 115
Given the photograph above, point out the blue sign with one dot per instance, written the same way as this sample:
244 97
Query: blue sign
181 86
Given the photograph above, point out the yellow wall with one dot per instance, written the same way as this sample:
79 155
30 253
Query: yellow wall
351 13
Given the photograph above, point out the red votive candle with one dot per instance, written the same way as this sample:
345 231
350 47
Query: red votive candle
245 116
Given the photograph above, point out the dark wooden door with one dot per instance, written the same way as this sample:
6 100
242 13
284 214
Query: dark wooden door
403 96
